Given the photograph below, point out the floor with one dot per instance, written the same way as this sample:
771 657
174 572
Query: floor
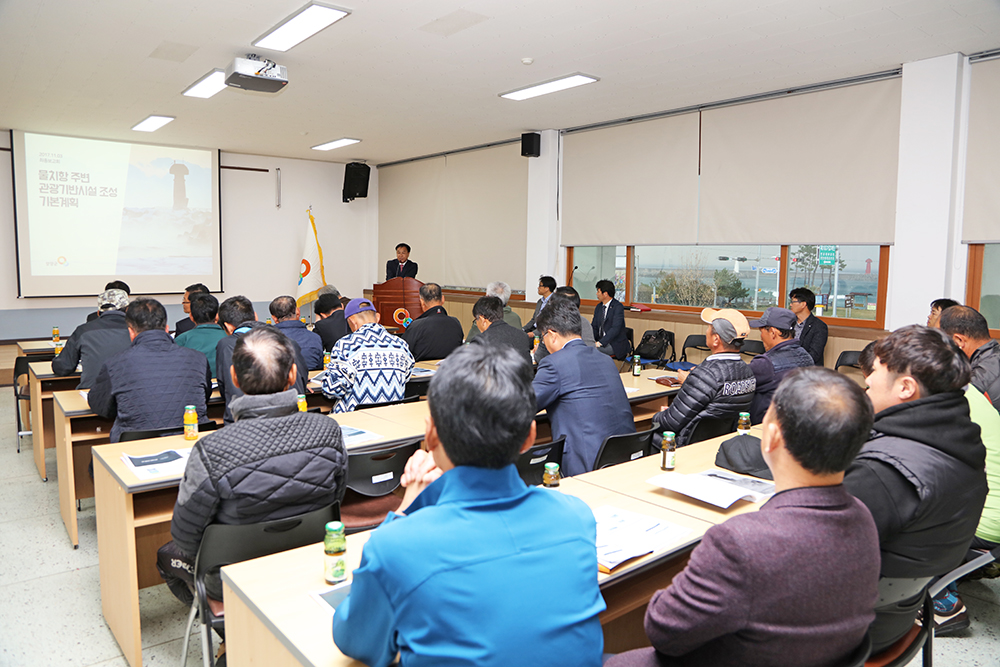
50 614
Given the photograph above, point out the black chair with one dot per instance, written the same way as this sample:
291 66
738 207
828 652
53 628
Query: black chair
623 448
127 436
848 358
372 476
531 464
662 359
630 337
21 393
860 654
369 406
752 348
224 544
712 427
696 341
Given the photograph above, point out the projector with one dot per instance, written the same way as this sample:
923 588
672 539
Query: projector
263 76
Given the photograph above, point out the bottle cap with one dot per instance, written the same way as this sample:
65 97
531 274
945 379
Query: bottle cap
189 407
552 466
335 527
745 414
301 396
669 435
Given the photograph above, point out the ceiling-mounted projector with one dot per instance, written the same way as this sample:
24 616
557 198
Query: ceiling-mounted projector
251 73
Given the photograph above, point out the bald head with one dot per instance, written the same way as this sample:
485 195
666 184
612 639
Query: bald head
264 362
283 308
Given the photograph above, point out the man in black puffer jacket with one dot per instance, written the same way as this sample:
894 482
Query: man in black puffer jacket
922 475
274 462
721 386
148 385
970 331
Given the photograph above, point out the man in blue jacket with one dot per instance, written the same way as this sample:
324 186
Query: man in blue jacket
609 322
475 568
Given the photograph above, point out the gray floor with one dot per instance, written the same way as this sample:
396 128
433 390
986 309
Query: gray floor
50 602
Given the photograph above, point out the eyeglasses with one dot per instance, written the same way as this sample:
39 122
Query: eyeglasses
796 301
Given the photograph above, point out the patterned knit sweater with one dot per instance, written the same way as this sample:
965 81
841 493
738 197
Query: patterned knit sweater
368 366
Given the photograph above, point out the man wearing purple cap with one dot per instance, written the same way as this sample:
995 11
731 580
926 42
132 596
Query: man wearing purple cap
369 365
784 354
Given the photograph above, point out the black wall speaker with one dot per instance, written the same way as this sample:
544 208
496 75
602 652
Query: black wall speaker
531 144
355 180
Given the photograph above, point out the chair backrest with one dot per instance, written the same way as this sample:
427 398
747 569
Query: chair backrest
20 367
531 464
712 427
623 448
376 473
918 638
697 341
848 358
127 436
368 406
752 348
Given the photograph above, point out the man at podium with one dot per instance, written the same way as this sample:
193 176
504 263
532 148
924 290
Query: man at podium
401 267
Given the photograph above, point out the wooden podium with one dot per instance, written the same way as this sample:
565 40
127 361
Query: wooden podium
397 293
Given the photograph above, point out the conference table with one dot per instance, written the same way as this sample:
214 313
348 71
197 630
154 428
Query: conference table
43 384
273 618
36 350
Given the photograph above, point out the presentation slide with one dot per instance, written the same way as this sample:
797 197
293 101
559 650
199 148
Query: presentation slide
90 211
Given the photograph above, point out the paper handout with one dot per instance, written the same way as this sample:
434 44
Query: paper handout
169 463
624 535
716 487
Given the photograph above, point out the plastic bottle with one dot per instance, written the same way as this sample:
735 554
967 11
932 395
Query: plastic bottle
190 423
335 550
303 406
668 449
550 477
743 425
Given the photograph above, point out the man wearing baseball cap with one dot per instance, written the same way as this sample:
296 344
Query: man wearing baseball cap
783 354
369 365
720 387
95 341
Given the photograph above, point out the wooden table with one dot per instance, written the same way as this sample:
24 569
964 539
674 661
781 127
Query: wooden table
77 430
133 521
272 620
37 350
43 384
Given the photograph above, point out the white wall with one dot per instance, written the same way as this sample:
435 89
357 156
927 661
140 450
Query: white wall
261 244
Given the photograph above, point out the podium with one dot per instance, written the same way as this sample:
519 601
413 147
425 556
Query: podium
397 293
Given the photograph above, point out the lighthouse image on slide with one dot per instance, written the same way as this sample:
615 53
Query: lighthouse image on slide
168 227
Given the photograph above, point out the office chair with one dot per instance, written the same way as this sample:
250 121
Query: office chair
368 406
372 476
225 544
630 337
531 464
712 427
21 393
623 448
697 341
752 348
128 436
848 358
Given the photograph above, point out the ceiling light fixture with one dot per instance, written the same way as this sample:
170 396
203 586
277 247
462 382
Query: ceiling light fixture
152 124
339 143
300 26
554 86
208 85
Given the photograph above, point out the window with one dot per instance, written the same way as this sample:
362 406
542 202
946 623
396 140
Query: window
593 263
983 284
845 278
743 277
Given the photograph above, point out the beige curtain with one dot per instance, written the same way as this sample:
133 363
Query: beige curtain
982 173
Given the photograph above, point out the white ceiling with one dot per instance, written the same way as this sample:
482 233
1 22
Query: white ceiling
412 77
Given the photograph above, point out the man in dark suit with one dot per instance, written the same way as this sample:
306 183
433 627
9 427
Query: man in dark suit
330 323
609 322
493 330
187 323
546 285
810 331
579 388
401 267
792 584
434 334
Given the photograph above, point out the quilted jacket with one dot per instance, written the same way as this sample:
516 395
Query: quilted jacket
721 386
985 371
224 360
91 345
273 462
148 385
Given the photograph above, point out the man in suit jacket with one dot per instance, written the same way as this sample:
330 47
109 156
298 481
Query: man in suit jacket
401 267
587 331
796 582
186 324
546 286
493 330
609 322
579 388
810 331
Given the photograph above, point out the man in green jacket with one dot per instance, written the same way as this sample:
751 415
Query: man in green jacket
206 333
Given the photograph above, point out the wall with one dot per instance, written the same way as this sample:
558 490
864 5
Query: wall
261 244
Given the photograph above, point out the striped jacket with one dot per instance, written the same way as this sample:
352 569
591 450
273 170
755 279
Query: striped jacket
368 366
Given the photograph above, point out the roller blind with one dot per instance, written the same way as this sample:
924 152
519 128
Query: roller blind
813 168
465 216
634 184
982 174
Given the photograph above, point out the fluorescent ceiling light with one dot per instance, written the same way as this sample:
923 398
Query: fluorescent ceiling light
208 85
571 81
339 143
153 123
300 26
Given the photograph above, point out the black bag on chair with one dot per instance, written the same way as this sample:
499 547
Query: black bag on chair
653 344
